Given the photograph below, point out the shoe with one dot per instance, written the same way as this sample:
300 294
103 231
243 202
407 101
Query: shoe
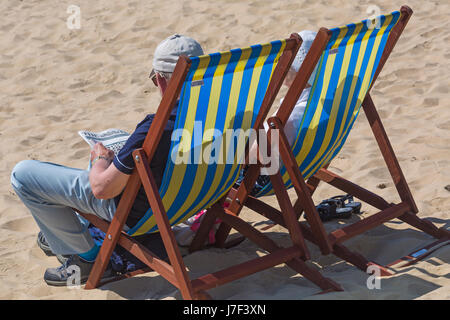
328 210
66 274
356 206
43 244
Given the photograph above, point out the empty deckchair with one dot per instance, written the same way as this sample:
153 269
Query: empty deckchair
349 59
229 90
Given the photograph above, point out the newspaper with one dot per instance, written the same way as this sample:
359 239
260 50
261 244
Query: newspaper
112 139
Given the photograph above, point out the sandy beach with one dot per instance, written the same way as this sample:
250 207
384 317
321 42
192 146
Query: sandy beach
55 81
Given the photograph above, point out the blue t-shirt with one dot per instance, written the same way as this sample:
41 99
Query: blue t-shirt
124 162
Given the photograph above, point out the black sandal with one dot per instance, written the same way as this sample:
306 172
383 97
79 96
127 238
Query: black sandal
354 205
329 210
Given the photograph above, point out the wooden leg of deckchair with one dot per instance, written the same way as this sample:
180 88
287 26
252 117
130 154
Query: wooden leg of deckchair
102 260
203 231
288 213
303 193
269 245
170 244
339 249
424 225
202 234
388 153
222 235
240 196
254 169
114 231
379 203
358 260
312 185
396 172
351 188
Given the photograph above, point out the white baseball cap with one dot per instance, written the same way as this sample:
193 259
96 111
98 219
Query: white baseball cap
308 38
168 51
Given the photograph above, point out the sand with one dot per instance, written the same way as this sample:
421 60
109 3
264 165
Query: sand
55 81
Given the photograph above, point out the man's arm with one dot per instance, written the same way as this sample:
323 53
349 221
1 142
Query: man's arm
105 179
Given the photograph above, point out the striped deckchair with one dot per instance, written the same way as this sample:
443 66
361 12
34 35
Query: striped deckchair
348 60
224 91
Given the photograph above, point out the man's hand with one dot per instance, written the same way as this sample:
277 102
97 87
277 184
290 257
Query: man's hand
100 150
106 180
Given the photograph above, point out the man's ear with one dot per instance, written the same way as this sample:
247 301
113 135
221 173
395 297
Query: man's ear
162 83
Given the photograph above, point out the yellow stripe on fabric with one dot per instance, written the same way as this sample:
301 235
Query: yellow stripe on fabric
313 88
364 87
337 100
231 113
248 114
367 78
314 124
343 132
209 124
354 82
233 100
277 58
180 169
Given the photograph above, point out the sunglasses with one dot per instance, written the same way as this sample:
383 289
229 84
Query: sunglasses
153 75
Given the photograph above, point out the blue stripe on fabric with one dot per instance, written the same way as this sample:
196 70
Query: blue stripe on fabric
379 54
347 86
228 80
354 102
264 79
328 103
309 112
242 103
179 123
200 116
395 18
263 83
262 86
245 85
219 125
348 82
345 97
238 168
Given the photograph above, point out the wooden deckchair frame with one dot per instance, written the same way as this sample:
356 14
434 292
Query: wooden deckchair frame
313 229
175 271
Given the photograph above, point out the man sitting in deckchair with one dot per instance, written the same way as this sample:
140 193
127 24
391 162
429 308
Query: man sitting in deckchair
50 191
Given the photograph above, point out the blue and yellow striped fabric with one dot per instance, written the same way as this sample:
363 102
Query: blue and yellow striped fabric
344 76
222 92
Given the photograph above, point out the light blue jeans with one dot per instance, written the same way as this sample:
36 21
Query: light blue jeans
50 191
